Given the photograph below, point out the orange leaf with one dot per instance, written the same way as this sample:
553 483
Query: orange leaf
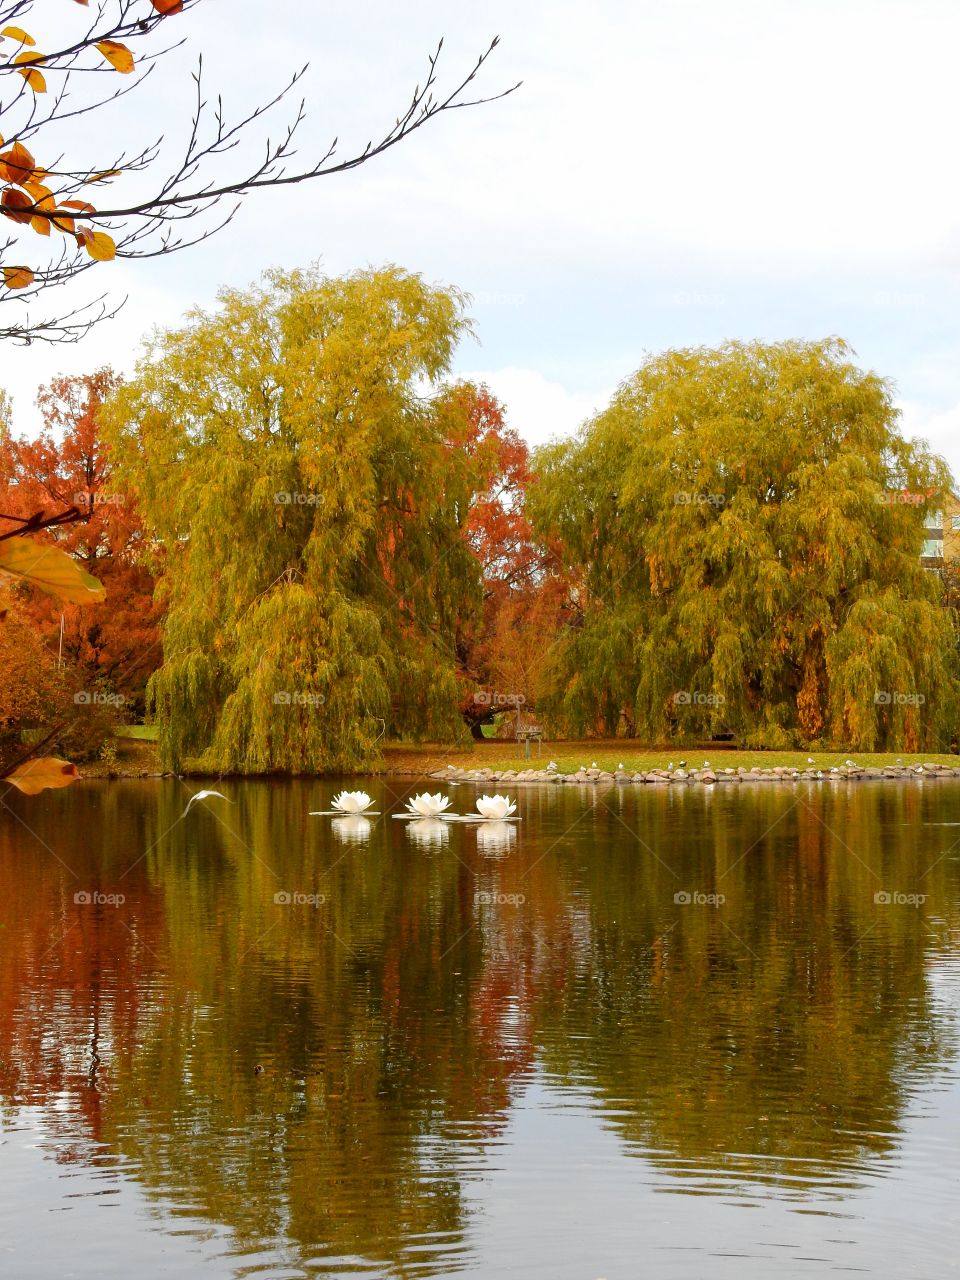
78 204
17 33
13 202
42 195
18 165
33 77
102 177
118 55
34 776
17 277
65 224
40 225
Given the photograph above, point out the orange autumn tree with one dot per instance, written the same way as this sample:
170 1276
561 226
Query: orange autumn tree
114 644
504 647
91 204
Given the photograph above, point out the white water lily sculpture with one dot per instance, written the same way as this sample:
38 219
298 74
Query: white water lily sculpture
495 808
428 806
345 804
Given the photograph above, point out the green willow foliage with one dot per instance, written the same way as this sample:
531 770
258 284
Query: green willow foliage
286 452
748 554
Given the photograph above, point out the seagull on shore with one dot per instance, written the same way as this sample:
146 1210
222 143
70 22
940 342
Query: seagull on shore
670 766
683 764
850 764
203 795
706 764
620 765
810 760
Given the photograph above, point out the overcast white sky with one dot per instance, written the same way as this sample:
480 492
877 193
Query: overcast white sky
669 174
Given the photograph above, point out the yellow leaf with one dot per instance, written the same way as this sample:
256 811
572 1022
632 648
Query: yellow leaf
34 79
50 569
102 177
17 33
17 278
98 244
34 776
118 55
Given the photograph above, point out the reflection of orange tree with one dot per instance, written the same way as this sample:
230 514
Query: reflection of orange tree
781 1026
403 1010
74 979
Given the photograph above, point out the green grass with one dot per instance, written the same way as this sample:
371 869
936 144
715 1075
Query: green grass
142 732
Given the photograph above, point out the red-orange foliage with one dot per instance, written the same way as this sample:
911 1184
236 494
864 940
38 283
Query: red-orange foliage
524 592
115 643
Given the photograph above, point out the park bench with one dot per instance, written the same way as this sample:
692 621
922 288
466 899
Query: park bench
531 734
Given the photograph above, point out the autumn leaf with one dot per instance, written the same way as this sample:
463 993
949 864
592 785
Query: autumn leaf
118 55
18 33
49 569
18 165
66 222
42 774
103 177
17 277
34 79
98 244
167 6
13 202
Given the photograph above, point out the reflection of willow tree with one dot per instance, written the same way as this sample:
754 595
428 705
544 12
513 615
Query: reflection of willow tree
773 1036
374 1043
396 1022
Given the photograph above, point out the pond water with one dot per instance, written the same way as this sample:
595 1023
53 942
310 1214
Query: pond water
660 1032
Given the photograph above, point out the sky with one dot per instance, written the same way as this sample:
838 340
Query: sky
667 175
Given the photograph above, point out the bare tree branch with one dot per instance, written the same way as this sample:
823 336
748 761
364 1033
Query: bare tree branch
59 199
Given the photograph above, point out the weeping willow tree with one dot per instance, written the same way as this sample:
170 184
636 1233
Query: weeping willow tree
286 454
746 526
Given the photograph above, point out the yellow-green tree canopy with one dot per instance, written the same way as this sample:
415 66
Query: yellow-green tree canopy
747 524
286 452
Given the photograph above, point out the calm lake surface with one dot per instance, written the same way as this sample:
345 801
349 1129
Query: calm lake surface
659 1032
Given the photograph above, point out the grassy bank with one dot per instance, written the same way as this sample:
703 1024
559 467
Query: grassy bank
136 755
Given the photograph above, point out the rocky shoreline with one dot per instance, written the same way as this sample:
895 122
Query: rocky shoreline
704 777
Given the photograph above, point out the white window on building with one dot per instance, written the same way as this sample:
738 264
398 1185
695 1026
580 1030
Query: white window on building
955 523
932 549
934 520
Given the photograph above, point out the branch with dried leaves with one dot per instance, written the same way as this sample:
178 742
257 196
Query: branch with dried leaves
56 197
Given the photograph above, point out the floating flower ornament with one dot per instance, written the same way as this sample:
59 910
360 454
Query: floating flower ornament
428 806
345 804
495 808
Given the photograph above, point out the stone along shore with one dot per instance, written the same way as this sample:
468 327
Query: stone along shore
705 777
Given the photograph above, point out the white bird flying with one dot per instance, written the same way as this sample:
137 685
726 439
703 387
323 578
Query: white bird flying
203 795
